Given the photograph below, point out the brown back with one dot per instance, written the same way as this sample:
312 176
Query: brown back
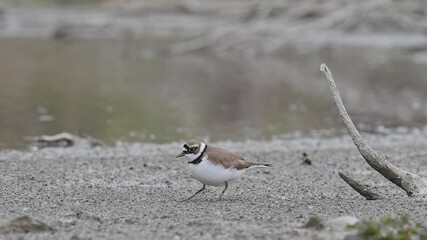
226 158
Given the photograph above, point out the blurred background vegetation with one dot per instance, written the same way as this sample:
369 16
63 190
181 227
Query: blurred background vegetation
162 71
53 2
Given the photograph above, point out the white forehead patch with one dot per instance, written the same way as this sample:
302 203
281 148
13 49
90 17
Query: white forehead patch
196 145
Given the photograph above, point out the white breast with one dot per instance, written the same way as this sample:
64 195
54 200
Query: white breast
214 175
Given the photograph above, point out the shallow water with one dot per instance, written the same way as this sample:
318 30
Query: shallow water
108 90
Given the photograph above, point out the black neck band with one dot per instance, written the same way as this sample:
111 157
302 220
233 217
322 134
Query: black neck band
199 158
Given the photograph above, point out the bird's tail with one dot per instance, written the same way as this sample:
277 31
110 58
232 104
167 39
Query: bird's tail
255 164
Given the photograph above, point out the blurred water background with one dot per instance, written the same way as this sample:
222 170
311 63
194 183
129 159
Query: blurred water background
162 71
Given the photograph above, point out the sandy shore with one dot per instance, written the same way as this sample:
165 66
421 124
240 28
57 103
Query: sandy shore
133 191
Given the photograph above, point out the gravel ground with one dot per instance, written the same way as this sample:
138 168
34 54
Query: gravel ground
134 191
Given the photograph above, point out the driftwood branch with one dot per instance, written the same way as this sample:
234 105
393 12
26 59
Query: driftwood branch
360 188
411 183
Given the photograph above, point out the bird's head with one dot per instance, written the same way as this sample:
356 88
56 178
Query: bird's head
192 149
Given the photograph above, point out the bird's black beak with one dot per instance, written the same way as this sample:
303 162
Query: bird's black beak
180 155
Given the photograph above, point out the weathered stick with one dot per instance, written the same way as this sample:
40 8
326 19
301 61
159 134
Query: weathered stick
411 183
360 188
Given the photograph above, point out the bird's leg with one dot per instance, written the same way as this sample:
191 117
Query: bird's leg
223 191
201 190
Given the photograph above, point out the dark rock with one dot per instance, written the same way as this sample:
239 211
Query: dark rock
24 224
315 223
305 159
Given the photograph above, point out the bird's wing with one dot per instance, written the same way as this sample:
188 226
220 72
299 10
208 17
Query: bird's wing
226 158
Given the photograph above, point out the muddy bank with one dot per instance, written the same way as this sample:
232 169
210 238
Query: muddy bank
133 191
251 20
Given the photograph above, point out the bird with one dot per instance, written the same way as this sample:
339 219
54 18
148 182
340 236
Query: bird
214 166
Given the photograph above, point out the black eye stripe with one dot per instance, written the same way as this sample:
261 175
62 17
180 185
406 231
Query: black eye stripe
186 146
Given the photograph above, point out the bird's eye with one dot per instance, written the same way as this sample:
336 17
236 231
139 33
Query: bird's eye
193 149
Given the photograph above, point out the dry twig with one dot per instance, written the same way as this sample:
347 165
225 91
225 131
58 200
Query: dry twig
411 183
360 188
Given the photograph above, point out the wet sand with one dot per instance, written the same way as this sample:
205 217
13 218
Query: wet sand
134 191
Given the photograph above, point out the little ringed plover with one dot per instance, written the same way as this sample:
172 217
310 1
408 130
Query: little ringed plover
214 166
